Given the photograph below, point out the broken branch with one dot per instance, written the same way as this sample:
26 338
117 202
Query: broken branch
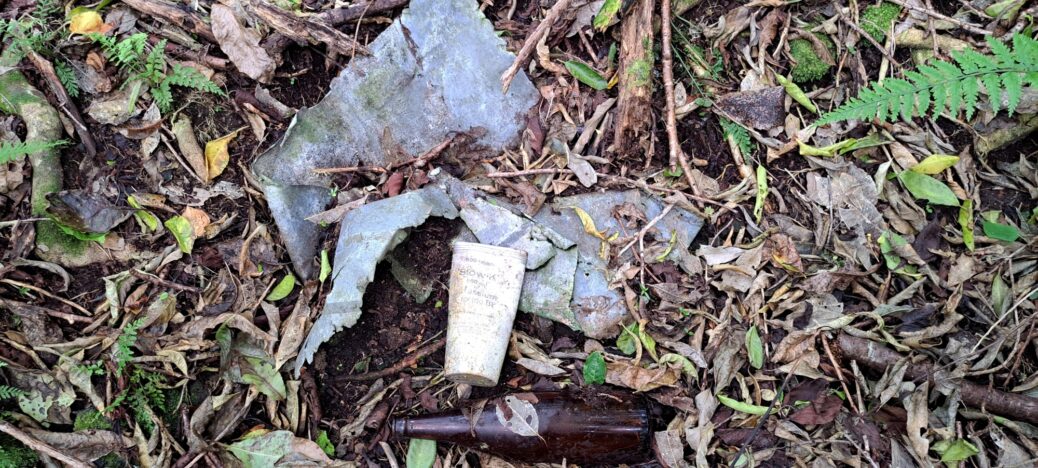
531 43
877 357
41 446
396 368
300 29
634 103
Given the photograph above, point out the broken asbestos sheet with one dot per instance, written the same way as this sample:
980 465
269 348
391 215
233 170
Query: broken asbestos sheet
433 72
566 279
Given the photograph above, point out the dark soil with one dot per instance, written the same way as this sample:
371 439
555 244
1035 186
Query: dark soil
392 325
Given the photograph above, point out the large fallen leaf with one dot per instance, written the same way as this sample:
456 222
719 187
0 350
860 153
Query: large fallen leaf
927 188
85 212
244 360
277 449
606 14
217 156
198 219
586 75
283 288
88 22
421 453
594 369
241 44
189 148
87 445
639 378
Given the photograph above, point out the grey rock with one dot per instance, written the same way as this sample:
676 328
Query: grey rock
434 71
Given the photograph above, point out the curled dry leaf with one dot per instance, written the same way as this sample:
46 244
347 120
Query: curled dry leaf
241 44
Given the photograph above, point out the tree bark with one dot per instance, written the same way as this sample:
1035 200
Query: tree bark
634 104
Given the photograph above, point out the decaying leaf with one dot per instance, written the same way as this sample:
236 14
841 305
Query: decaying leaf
639 378
241 44
217 155
88 22
518 416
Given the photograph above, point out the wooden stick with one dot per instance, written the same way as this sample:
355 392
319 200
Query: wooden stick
300 29
528 172
877 357
337 16
677 156
164 283
396 368
668 84
175 14
531 43
634 103
40 446
64 101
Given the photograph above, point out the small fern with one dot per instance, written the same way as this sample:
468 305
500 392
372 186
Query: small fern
952 86
739 134
132 56
67 77
123 351
11 151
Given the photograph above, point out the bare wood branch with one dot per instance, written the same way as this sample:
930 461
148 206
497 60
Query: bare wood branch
176 14
531 43
41 446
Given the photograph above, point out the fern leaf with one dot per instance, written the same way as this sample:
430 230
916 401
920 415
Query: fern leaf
7 392
67 77
952 87
10 151
191 78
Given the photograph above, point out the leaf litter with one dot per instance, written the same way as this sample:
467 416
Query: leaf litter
851 292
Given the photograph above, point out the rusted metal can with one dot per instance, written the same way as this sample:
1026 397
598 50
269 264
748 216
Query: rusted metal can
485 283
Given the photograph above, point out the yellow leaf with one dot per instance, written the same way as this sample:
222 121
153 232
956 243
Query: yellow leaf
216 155
935 164
88 21
589 224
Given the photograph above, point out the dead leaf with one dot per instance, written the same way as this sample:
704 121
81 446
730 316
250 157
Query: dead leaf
821 410
541 367
241 44
86 445
189 148
217 155
88 22
761 109
199 220
639 378
518 416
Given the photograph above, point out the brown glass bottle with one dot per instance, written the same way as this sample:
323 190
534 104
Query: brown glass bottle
603 428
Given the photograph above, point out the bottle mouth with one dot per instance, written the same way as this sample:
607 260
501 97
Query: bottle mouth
398 428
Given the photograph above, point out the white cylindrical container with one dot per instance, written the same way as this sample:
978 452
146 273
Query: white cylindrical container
484 292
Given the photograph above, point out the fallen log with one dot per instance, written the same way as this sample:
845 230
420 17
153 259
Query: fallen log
634 103
877 357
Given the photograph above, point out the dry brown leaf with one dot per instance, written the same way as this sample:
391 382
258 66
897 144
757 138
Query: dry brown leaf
199 220
241 45
639 378
189 148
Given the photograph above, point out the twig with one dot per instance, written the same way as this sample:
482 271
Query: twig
644 230
64 101
866 36
301 29
337 16
418 161
16 222
839 373
767 413
164 283
40 446
528 172
531 43
967 26
174 14
19 284
1023 298
396 368
668 86
877 357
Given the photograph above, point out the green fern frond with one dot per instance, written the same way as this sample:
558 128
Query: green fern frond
739 134
123 351
7 392
955 87
163 96
191 78
67 77
11 151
